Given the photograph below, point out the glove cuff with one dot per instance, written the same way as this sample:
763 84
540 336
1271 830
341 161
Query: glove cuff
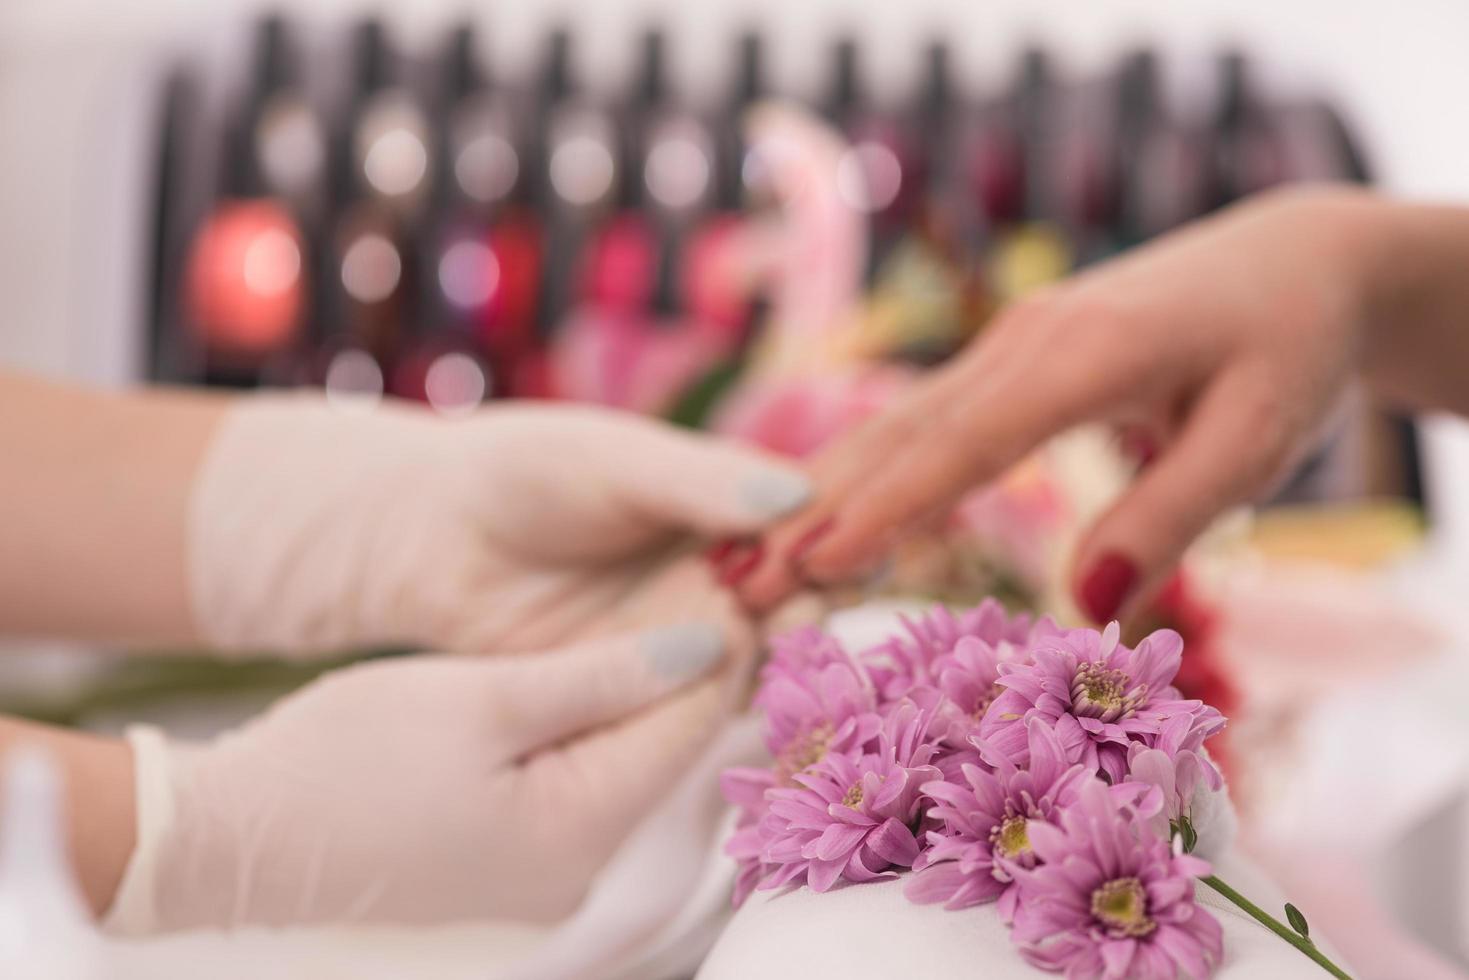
134 909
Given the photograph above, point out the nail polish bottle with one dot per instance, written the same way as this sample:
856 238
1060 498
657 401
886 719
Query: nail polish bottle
676 167
996 163
438 359
1245 154
1161 159
364 281
926 288
1084 199
171 351
388 149
940 132
488 258
285 135
576 182
713 290
380 158
1033 250
245 287
876 173
622 259
390 145
1037 98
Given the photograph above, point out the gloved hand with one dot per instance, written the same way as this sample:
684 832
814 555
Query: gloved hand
314 528
433 788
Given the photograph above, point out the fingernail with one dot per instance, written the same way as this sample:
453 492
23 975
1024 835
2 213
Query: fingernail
683 651
1140 446
1107 586
807 541
770 492
720 551
741 562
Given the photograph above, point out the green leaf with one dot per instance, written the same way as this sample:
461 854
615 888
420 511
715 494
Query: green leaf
695 405
1297 921
1187 832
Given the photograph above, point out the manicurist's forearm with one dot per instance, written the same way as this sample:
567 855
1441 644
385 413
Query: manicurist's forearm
94 494
98 798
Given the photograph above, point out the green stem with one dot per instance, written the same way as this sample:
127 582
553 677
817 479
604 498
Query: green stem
1276 926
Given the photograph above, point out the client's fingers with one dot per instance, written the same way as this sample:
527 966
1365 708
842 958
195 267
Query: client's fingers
774 573
971 426
1235 442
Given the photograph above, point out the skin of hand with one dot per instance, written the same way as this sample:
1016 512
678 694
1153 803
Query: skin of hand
437 788
95 494
98 799
1227 343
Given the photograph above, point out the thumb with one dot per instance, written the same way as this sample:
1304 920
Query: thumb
702 483
1230 450
545 698
617 774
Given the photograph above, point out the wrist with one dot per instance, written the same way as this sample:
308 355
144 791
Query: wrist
101 826
1415 350
1361 267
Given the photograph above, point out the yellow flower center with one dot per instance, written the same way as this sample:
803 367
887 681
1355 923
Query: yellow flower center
1099 692
805 751
982 704
1122 906
1010 838
853 798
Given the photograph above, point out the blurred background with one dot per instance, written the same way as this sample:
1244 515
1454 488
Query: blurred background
763 218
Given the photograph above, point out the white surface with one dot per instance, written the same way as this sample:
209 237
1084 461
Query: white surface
872 930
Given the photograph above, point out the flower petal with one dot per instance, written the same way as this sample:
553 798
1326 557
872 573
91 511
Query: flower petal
836 842
894 843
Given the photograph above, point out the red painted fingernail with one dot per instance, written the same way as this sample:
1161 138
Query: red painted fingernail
718 553
807 541
741 562
1107 586
1140 446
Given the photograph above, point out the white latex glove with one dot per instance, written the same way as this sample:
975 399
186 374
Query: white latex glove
314 528
428 788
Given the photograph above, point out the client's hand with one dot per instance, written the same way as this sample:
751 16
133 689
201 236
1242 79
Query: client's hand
514 528
427 789
1226 345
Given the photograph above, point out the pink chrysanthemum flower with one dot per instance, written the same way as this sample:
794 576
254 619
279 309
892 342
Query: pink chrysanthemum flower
744 787
907 662
1099 695
851 816
967 682
803 649
985 825
1110 899
815 701
1190 785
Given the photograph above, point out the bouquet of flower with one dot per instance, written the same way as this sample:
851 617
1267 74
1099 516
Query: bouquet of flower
1055 772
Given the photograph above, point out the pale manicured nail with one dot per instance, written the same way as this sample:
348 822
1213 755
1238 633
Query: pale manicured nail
770 493
683 651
